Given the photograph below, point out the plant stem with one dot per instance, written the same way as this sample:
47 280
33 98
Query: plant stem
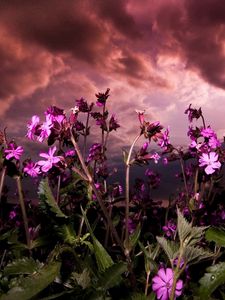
23 209
2 181
184 177
127 203
85 135
147 284
98 196
58 189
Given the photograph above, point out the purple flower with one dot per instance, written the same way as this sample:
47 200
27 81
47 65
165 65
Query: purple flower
45 129
83 106
170 228
164 141
207 132
193 113
214 142
102 97
156 157
210 162
31 126
13 152
31 169
95 153
46 165
162 284
113 125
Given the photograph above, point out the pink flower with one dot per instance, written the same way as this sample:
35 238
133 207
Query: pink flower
156 157
46 165
207 132
162 284
210 161
31 169
31 126
45 129
13 152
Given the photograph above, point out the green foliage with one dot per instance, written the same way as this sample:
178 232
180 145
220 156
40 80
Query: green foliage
47 199
194 254
103 259
33 284
67 233
213 278
22 266
112 276
216 235
83 279
170 248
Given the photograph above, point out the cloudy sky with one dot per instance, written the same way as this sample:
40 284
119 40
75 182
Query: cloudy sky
157 55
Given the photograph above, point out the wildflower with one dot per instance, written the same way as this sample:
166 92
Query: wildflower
207 132
13 152
210 161
214 142
140 116
162 284
95 153
31 169
46 165
102 97
169 228
164 142
70 153
45 129
32 126
156 157
113 125
152 130
12 215
83 106
193 113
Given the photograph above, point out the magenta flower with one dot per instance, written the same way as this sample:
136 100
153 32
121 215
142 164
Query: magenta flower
156 157
13 152
31 169
207 132
46 165
45 129
162 284
31 126
165 141
210 162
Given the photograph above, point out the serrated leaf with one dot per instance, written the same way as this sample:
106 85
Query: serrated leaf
169 247
112 276
67 233
183 227
103 259
214 277
83 279
150 264
31 285
216 235
21 266
46 196
194 254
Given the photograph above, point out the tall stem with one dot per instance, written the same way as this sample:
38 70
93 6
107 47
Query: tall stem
85 135
126 242
58 189
23 209
2 181
98 196
184 177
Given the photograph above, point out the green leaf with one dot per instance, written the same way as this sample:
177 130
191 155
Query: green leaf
214 277
32 285
103 259
142 297
135 236
67 233
83 279
22 266
169 247
112 276
193 255
47 198
216 235
183 227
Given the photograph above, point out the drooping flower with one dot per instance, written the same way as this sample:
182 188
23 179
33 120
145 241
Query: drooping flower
31 126
162 284
46 165
164 140
113 124
210 162
13 151
193 113
31 169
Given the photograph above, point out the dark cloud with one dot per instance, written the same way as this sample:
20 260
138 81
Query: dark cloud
196 30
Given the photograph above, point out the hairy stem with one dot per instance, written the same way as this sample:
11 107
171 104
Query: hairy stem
23 209
58 189
97 194
126 242
147 283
